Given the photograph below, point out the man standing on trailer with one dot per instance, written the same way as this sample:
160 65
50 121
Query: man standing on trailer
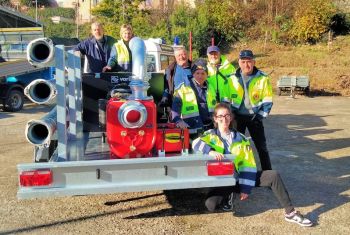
219 73
177 73
96 49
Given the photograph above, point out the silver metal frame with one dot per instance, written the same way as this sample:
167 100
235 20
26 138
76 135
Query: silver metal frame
124 175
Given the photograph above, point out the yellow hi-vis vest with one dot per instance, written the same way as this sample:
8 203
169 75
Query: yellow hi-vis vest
189 108
123 57
214 78
241 149
259 92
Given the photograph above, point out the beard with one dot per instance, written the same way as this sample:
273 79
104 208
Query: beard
98 37
214 61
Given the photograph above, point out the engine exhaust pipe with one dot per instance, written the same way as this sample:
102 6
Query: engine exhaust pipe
40 52
139 83
40 132
41 91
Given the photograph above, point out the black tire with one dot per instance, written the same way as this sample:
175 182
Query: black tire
279 91
185 199
14 101
307 91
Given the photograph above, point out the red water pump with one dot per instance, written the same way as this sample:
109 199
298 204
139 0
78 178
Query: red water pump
131 121
131 127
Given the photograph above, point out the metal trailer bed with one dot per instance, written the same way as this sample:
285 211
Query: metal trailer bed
80 164
293 84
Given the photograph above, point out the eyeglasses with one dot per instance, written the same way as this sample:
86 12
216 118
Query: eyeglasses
223 116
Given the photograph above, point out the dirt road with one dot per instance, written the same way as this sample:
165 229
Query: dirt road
309 142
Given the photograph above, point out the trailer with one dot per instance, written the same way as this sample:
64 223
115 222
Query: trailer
96 146
293 84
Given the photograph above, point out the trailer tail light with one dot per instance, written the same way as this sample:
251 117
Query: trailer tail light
35 178
216 168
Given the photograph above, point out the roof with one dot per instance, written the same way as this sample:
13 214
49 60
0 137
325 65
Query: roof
9 18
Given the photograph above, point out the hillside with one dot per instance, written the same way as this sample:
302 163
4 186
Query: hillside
328 67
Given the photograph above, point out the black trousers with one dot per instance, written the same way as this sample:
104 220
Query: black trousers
269 178
256 130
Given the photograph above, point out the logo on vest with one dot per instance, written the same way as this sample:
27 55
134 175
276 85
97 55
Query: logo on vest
189 108
255 96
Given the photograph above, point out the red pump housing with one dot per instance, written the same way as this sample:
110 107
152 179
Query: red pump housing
131 127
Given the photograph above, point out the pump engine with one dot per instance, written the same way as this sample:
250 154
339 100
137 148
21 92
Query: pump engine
131 122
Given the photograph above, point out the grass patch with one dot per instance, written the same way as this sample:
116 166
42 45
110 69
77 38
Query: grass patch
326 65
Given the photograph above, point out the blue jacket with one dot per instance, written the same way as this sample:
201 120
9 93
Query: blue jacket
97 57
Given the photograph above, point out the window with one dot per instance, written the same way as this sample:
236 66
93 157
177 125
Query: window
151 63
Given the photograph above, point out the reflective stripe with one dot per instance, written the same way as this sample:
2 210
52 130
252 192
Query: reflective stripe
211 110
267 99
247 182
225 99
201 146
248 169
190 115
262 113
195 142
235 105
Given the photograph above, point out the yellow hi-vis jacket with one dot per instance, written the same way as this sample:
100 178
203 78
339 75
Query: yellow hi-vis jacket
120 56
259 92
219 78
244 159
185 106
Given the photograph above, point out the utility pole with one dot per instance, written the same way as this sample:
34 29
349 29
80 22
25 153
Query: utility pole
77 18
123 11
90 11
36 11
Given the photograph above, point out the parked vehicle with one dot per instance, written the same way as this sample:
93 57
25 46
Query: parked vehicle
14 77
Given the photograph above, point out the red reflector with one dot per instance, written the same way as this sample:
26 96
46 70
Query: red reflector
224 167
35 178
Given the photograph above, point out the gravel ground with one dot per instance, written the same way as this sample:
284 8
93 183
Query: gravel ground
309 142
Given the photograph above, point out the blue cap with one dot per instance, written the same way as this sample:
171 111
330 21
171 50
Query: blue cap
247 54
213 48
200 65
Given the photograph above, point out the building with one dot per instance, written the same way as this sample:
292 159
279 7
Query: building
83 8
16 31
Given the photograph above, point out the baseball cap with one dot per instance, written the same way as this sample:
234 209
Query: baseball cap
213 48
200 65
247 54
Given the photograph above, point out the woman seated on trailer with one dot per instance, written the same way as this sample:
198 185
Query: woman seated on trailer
223 139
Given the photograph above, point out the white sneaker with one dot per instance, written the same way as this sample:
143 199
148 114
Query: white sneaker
298 218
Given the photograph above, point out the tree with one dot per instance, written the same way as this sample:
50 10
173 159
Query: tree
5 2
312 20
113 13
31 3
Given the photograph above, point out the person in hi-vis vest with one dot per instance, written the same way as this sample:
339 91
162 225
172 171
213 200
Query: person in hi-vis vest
193 102
121 60
251 101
